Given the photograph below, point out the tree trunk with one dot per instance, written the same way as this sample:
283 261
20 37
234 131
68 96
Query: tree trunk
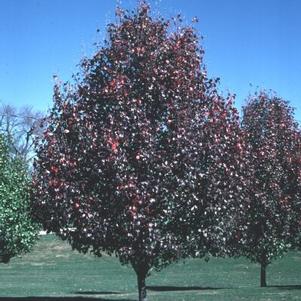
263 282
141 287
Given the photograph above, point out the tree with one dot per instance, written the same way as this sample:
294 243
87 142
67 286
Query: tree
270 133
17 230
21 126
106 176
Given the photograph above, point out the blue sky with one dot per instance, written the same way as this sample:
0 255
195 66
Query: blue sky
248 44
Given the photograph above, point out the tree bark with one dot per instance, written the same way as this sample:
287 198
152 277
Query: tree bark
263 282
141 286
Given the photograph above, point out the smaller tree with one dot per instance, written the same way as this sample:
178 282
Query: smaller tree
270 133
17 230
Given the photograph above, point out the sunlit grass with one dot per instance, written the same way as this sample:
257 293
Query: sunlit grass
54 271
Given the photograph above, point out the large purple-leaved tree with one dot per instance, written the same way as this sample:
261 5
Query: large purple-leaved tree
142 158
107 174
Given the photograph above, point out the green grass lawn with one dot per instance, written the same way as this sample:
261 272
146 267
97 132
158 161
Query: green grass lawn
54 272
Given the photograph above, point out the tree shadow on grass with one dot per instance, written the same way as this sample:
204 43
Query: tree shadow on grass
181 288
96 293
287 287
60 299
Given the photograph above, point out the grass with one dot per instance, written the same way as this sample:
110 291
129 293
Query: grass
52 271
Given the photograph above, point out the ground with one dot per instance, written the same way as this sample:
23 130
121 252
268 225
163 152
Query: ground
54 272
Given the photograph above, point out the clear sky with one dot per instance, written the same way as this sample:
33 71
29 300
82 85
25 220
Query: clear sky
248 43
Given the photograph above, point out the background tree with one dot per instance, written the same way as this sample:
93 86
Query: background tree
17 230
270 133
21 126
106 175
